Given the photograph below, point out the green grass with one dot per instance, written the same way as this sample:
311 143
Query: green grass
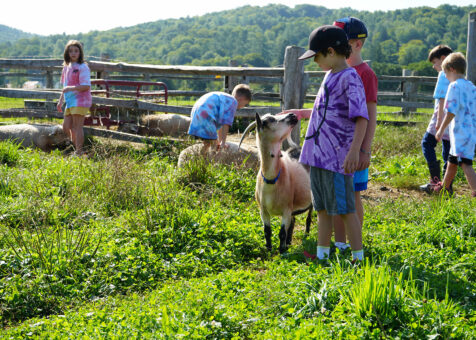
124 244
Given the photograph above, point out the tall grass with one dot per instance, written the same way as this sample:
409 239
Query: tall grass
123 244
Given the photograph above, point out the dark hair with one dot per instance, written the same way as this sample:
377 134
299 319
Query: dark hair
242 90
456 61
344 50
439 51
67 58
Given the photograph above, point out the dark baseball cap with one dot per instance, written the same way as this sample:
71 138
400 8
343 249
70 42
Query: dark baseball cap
324 37
353 27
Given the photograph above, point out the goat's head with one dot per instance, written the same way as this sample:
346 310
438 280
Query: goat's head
272 130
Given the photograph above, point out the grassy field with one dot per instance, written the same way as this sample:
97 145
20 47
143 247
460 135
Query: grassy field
125 245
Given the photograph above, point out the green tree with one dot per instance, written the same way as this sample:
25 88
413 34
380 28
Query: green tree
412 51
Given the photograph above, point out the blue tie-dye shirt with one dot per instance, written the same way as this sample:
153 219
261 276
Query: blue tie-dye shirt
329 146
461 101
211 112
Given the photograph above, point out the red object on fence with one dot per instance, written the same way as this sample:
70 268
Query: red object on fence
109 88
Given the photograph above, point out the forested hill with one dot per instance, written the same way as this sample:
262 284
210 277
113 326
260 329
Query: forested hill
257 36
12 34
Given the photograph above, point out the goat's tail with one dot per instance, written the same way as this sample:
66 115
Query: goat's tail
248 129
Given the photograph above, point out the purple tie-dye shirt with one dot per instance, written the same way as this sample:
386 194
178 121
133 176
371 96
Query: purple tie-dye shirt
77 74
328 138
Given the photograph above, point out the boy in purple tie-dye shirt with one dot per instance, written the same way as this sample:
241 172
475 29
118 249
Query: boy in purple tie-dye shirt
334 136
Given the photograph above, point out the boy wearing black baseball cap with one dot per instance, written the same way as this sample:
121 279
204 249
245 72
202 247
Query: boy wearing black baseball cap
357 33
334 137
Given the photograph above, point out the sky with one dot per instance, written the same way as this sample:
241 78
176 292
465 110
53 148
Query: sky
47 17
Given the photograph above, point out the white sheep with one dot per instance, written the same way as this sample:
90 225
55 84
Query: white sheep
43 136
248 157
167 124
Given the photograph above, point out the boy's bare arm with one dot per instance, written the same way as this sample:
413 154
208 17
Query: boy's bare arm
300 113
364 160
351 161
222 133
448 118
441 112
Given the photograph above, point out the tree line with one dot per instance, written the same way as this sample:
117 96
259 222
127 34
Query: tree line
257 36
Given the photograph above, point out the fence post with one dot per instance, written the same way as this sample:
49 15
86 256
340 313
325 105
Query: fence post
49 79
231 81
408 89
293 86
471 48
99 74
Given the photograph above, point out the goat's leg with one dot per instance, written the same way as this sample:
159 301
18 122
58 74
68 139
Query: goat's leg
289 236
308 220
267 229
286 222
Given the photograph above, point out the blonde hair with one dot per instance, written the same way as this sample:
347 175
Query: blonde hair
456 61
67 58
242 90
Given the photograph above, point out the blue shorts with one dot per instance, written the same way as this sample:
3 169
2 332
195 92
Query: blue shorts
332 192
361 178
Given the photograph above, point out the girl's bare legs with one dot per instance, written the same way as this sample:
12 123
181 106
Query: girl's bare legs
78 133
67 126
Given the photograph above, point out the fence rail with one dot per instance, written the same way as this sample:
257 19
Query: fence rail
260 75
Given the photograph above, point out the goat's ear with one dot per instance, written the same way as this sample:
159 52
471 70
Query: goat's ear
259 124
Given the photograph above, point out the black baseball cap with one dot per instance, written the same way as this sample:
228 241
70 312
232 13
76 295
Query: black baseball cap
353 27
324 37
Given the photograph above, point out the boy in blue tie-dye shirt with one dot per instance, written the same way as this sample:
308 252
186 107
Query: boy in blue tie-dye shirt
213 114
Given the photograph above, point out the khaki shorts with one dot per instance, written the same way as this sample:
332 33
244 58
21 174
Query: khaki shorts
83 111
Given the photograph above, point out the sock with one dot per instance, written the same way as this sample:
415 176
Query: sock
323 252
358 254
342 245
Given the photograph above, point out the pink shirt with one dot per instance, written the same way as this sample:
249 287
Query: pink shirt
77 74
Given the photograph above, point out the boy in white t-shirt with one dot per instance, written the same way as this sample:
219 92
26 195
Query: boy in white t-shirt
460 108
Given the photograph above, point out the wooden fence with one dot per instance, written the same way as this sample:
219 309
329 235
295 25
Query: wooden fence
294 83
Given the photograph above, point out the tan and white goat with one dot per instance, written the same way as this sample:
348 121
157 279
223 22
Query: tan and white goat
283 185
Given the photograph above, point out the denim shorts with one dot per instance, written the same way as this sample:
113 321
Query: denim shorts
332 192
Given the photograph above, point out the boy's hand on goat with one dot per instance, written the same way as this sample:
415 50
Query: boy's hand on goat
351 162
222 146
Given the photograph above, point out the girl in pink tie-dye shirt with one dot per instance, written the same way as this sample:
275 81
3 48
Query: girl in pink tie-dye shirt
76 80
